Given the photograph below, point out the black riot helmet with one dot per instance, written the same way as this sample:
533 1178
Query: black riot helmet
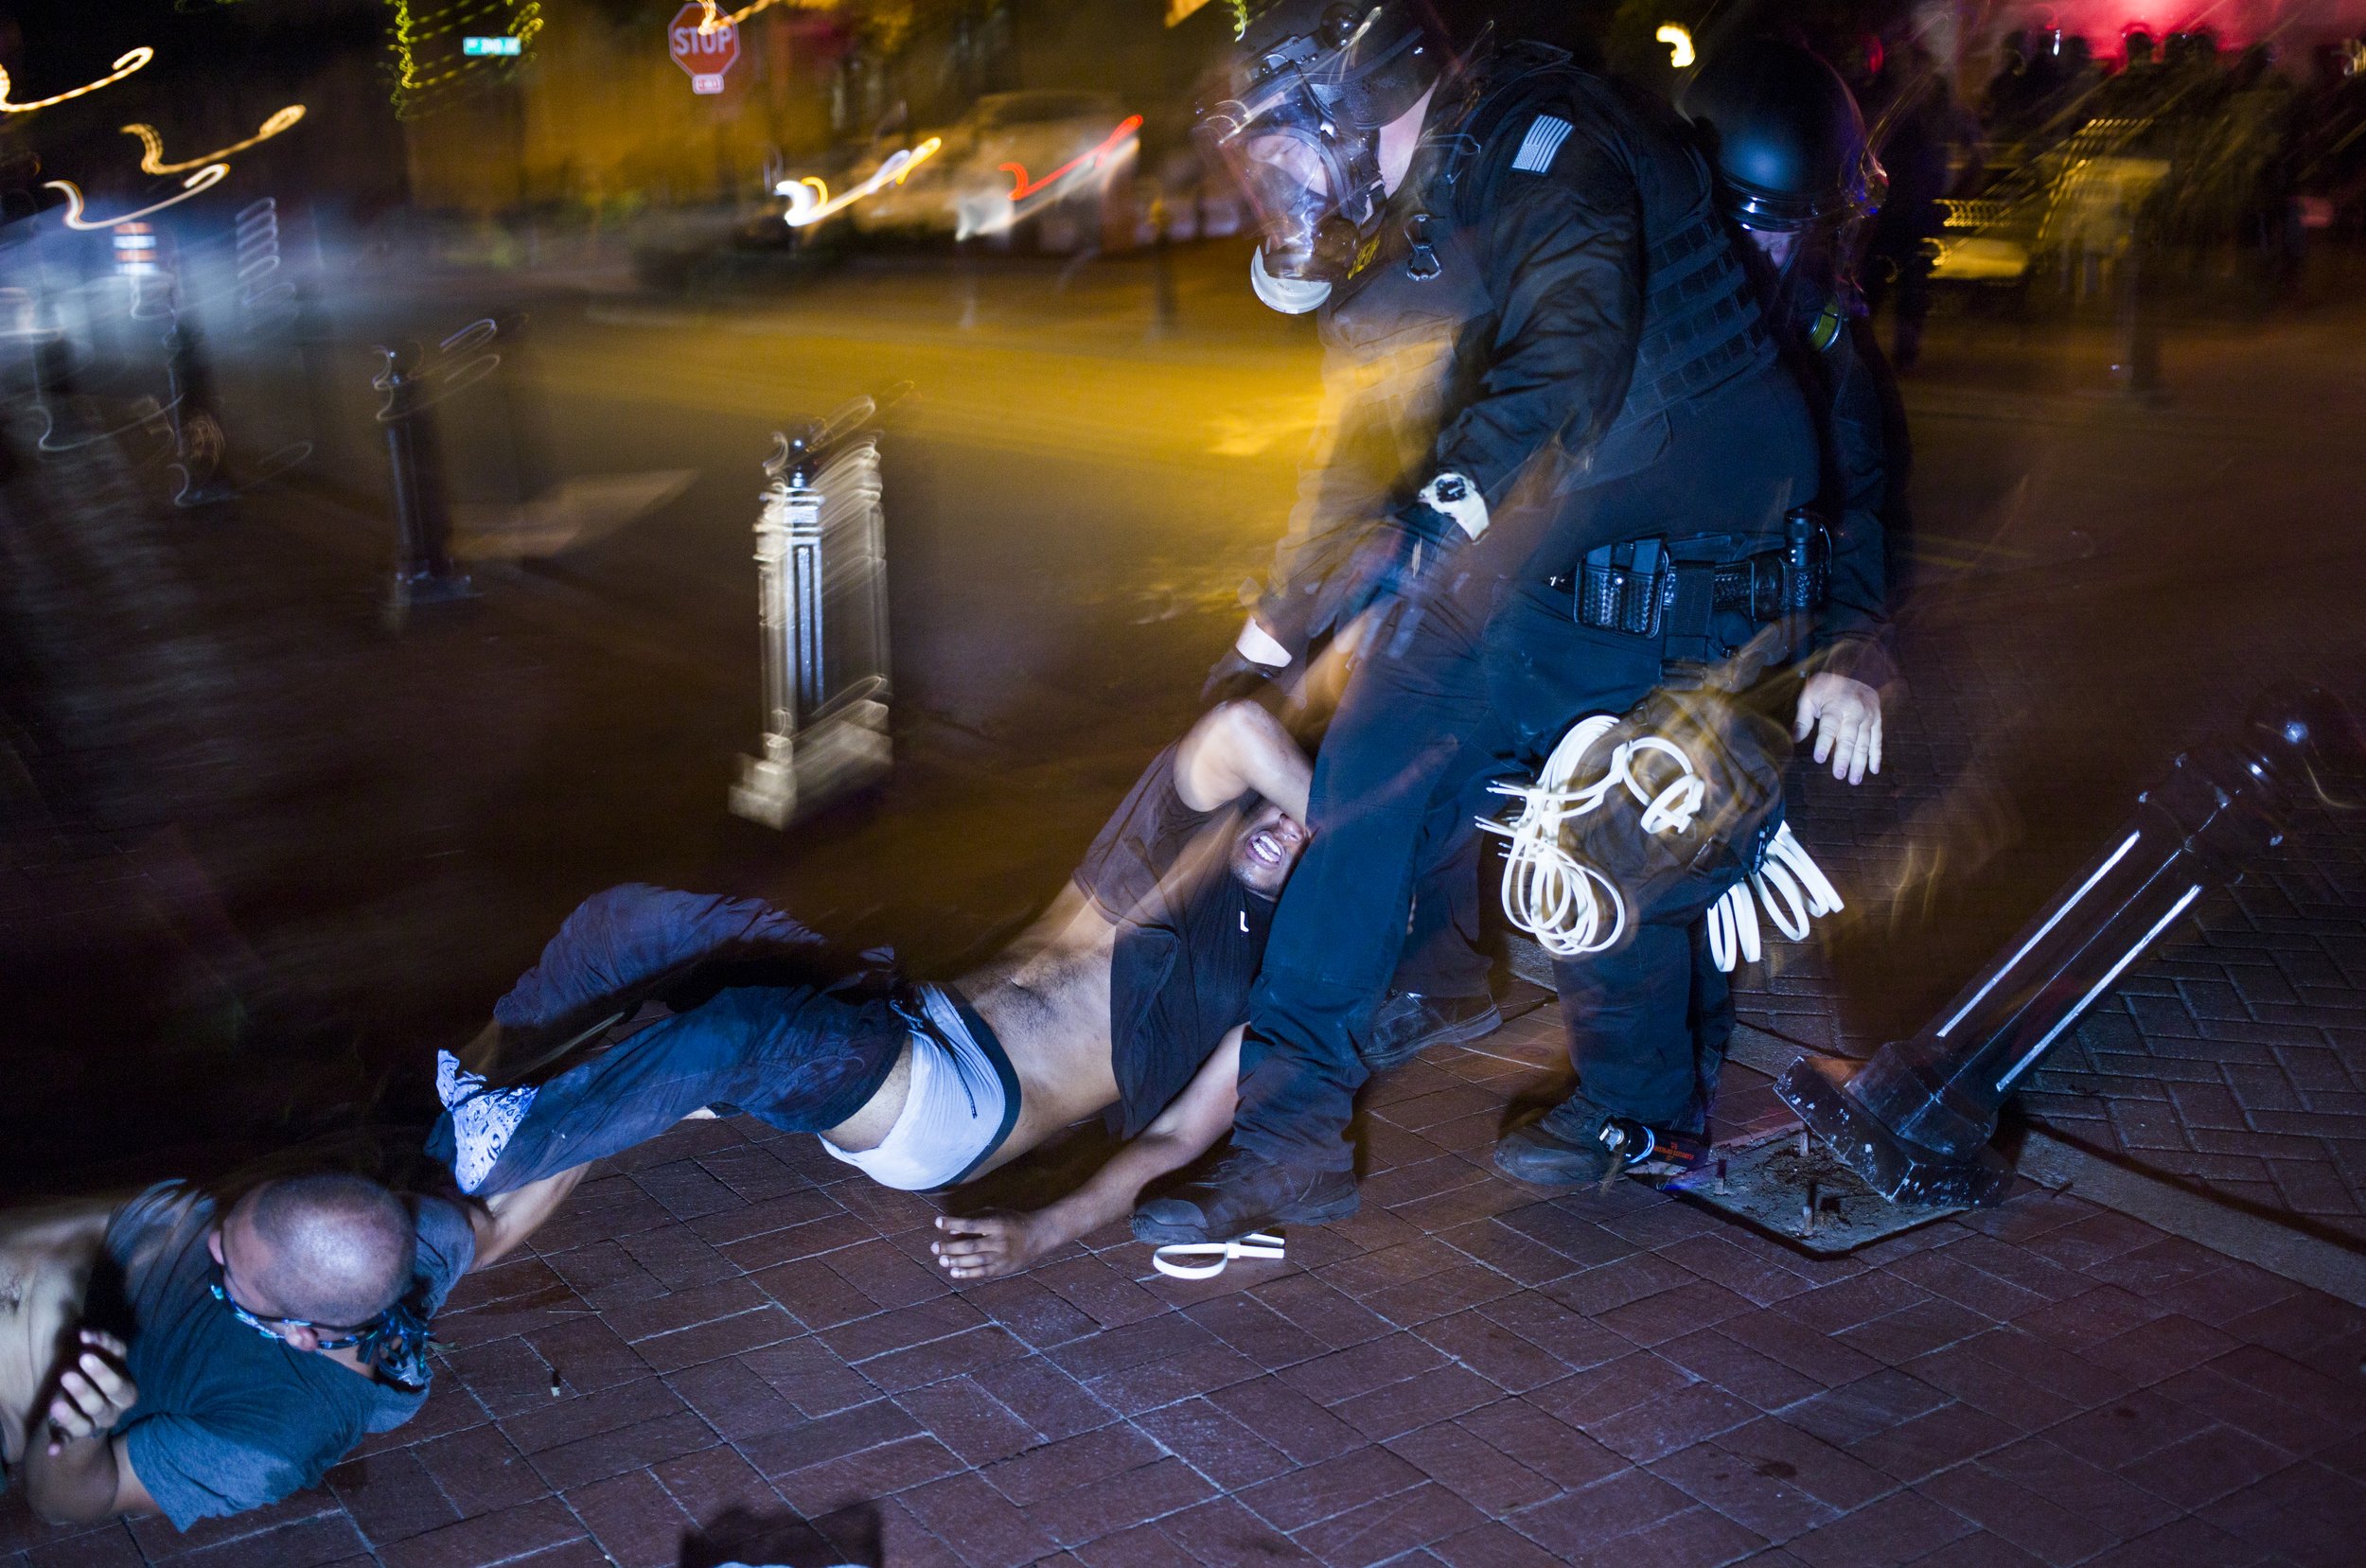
1296 120
1785 133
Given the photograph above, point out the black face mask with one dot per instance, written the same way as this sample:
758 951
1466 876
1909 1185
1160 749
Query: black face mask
393 1343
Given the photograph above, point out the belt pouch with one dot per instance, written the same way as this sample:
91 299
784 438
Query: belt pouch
1623 587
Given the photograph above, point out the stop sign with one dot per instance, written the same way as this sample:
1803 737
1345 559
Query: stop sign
705 55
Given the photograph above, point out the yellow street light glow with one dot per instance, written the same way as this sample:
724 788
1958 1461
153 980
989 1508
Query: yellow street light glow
716 16
809 199
1679 41
152 159
125 64
205 179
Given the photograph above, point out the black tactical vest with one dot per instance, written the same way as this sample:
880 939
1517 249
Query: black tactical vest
1422 286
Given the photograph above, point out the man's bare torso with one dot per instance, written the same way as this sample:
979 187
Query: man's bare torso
1047 998
46 1259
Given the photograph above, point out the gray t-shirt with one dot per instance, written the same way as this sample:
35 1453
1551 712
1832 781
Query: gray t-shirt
228 1421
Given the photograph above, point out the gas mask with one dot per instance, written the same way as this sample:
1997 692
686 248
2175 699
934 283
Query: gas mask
1291 296
1299 130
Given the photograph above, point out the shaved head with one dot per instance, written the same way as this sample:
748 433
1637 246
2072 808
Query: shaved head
334 1249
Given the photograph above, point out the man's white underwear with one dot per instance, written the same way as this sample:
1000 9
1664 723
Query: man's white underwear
961 1103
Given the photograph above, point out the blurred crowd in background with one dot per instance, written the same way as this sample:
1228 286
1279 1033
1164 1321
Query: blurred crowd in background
2214 166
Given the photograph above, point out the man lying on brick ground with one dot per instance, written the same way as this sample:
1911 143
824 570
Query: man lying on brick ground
1126 998
197 1356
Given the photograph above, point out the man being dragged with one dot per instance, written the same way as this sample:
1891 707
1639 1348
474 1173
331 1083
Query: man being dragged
1127 997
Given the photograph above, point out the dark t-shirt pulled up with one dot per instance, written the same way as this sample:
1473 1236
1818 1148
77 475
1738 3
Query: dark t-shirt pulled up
1191 937
228 1421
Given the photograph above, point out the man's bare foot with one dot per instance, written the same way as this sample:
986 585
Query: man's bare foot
987 1246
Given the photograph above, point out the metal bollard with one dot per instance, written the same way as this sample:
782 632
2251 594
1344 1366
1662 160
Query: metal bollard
424 573
1915 1121
2136 330
1164 307
200 447
822 580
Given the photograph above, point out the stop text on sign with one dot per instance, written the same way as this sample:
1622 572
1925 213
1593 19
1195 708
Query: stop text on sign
706 52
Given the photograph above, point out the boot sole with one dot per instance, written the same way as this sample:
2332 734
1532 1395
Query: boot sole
1462 1033
1163 1233
1322 1214
1537 1177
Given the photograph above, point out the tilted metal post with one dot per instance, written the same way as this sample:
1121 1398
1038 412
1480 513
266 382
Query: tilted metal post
1915 1121
423 568
822 567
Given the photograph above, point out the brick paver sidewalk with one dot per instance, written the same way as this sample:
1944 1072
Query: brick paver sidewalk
731 1335
2145 575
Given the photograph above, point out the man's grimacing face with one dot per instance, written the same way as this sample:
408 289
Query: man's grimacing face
1264 849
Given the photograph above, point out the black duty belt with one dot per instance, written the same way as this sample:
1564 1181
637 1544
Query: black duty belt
1640 588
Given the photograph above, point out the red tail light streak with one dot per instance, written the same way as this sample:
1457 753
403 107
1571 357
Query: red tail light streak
1022 188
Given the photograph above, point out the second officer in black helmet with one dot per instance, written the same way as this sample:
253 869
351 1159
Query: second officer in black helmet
1797 175
1795 178
1530 259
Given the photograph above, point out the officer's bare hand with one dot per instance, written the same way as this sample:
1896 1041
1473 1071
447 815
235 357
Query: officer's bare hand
1845 717
93 1394
987 1246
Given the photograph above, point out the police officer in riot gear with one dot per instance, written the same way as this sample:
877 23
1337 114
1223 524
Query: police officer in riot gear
1797 175
1540 274
1796 178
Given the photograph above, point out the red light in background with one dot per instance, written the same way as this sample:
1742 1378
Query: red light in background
1021 188
2106 23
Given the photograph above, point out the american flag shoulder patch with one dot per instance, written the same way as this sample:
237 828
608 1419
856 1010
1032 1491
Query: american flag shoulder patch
1545 134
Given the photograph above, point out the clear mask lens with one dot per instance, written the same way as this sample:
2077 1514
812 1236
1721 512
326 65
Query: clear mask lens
1290 295
1300 171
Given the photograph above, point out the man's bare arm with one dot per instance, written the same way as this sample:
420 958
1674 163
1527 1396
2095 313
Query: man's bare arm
506 1219
1236 748
76 1472
987 1246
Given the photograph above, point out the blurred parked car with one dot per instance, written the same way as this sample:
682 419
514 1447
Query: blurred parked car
1044 162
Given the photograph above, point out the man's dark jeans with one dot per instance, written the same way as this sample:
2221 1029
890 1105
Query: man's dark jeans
769 1020
776 1053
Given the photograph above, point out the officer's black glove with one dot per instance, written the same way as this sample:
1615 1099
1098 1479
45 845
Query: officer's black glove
1403 557
1235 676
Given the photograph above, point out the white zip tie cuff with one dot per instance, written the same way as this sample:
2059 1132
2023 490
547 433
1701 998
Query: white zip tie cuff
1169 1259
1572 909
1788 885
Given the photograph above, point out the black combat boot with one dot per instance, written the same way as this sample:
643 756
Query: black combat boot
1245 1192
1409 1023
1577 1142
